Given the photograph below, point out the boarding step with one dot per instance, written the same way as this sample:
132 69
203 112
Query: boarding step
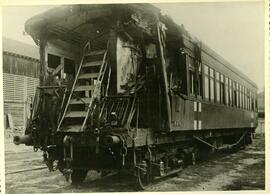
92 64
76 114
84 88
73 128
88 75
80 101
97 52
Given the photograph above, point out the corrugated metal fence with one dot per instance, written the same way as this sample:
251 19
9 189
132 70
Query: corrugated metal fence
18 90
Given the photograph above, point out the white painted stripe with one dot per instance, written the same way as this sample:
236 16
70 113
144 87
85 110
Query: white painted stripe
195 124
195 106
200 124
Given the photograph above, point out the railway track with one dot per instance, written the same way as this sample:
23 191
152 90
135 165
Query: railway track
26 170
22 178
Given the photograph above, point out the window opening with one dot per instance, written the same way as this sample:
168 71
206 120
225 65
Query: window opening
206 82
212 90
217 87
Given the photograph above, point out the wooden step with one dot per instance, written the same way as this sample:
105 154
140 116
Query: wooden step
88 75
79 101
97 52
92 64
84 88
76 114
72 128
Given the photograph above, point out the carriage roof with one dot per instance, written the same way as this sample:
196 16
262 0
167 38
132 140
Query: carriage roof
72 23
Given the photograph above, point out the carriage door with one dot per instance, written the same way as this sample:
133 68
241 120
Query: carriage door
178 86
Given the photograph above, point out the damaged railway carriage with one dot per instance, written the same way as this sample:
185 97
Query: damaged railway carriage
124 87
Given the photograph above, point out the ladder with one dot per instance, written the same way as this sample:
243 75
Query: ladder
85 90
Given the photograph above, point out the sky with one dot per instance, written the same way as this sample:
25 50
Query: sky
235 30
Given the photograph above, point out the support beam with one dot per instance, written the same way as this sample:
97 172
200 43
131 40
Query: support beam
43 63
163 79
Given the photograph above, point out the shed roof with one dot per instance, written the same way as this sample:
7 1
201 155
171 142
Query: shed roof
20 48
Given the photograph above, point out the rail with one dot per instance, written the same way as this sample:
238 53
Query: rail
26 170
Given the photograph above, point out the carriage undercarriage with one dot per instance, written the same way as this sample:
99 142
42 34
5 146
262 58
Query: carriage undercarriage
146 163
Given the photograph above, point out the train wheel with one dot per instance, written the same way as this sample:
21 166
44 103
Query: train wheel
78 176
143 177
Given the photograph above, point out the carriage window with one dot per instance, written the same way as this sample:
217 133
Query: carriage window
200 81
212 90
222 90
243 97
234 94
237 95
217 87
256 103
227 91
249 96
191 81
247 99
252 101
246 107
53 61
191 75
206 83
230 92
240 96
244 94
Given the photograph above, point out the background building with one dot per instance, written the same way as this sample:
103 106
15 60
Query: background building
20 78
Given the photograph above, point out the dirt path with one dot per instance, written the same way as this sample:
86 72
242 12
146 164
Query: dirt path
243 170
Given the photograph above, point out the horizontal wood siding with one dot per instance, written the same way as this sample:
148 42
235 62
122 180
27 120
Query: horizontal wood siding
17 89
220 117
15 64
211 116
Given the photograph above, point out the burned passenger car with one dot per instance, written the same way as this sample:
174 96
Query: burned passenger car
124 87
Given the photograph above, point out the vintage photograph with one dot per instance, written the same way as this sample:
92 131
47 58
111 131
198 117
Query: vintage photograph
134 97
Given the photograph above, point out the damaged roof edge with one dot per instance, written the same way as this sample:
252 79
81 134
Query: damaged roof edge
35 26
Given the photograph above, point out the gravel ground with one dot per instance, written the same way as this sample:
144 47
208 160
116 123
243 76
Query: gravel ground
244 170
